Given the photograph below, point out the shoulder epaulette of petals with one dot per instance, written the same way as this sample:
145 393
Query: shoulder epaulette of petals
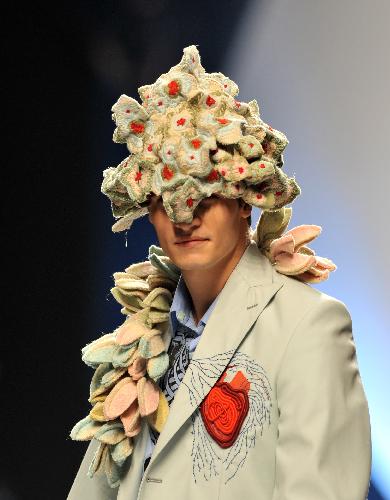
288 252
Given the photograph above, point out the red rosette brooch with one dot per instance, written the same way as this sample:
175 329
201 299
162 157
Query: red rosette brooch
225 407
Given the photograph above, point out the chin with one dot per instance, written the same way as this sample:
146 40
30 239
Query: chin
190 261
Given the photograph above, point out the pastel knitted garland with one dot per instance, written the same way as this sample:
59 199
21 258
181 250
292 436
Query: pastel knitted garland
129 362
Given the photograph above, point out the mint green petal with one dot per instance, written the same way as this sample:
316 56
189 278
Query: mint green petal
98 376
112 376
95 357
122 356
113 471
163 264
99 351
167 268
154 249
149 347
110 433
85 429
157 366
121 451
98 459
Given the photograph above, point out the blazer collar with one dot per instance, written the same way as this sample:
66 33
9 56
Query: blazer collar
248 290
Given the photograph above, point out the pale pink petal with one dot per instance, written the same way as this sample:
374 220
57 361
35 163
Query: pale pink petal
148 396
304 234
129 332
293 264
306 250
308 277
283 244
138 368
131 420
120 398
324 263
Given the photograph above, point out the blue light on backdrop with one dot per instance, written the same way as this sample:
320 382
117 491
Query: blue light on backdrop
321 73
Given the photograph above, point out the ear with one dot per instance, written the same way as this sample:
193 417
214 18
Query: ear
245 208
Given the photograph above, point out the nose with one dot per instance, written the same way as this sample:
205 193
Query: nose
187 226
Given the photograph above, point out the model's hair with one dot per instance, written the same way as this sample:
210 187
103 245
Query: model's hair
241 202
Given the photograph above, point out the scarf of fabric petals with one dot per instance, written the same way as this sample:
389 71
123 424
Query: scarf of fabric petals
129 362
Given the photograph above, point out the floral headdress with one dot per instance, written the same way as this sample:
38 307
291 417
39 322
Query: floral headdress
192 138
189 139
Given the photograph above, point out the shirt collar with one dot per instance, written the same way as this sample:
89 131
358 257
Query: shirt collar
181 308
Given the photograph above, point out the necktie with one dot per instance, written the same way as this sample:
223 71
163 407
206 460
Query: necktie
179 359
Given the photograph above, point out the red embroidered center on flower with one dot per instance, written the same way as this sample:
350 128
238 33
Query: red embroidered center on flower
167 173
278 193
137 127
223 172
192 157
240 169
251 144
237 103
128 111
210 101
138 176
196 143
259 196
159 103
213 175
223 121
150 147
181 121
262 165
190 202
173 87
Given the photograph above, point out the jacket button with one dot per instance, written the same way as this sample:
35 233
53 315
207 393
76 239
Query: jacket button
153 480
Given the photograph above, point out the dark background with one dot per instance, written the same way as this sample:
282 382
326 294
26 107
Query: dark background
67 65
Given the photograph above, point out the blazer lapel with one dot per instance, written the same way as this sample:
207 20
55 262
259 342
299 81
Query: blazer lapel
250 287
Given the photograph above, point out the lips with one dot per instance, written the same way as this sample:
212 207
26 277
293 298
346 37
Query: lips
191 239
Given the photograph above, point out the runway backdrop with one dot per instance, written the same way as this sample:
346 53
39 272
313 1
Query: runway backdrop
320 72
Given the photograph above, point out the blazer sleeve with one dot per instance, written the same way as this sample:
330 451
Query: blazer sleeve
95 488
324 439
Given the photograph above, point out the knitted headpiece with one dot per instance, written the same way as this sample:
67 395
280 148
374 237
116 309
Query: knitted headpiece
189 139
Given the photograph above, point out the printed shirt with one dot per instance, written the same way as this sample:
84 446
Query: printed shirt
181 311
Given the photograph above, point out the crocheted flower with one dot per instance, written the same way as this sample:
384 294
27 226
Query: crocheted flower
130 118
137 176
187 197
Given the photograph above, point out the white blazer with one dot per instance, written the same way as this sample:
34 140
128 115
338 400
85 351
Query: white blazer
306 433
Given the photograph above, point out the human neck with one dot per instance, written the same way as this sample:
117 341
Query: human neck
205 284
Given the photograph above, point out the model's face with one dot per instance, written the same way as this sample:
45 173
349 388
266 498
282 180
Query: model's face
218 222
